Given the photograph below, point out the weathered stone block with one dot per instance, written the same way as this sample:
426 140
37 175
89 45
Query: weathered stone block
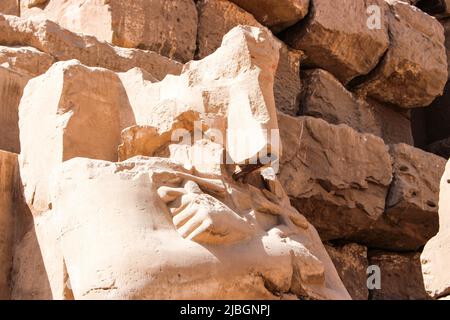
331 40
70 111
401 277
9 7
62 45
25 60
11 89
334 175
217 17
414 70
276 14
168 27
393 122
351 263
325 97
411 216
17 66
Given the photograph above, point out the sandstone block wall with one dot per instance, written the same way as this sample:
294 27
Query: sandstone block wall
357 89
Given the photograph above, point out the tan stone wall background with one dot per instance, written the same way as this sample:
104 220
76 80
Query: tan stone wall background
363 117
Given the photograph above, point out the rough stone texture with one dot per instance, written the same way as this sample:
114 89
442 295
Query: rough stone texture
351 264
8 173
12 84
17 66
414 190
168 27
436 254
9 7
411 216
345 47
394 122
315 173
414 70
325 97
288 86
276 14
62 44
401 276
26 60
217 17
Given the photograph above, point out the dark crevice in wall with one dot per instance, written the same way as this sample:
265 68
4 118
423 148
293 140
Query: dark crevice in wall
432 6
431 125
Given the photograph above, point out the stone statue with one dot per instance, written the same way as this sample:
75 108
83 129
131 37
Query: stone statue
137 214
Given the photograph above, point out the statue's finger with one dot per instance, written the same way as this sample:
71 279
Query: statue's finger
168 194
206 224
181 218
190 226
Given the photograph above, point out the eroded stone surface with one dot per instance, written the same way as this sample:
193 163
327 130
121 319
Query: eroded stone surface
276 14
440 148
26 60
9 7
62 44
166 27
17 66
351 264
401 277
325 97
11 88
446 25
411 215
393 122
315 172
71 111
415 187
414 70
345 47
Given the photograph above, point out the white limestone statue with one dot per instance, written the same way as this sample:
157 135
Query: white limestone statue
137 215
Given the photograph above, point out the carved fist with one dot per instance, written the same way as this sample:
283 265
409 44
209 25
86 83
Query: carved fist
202 218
